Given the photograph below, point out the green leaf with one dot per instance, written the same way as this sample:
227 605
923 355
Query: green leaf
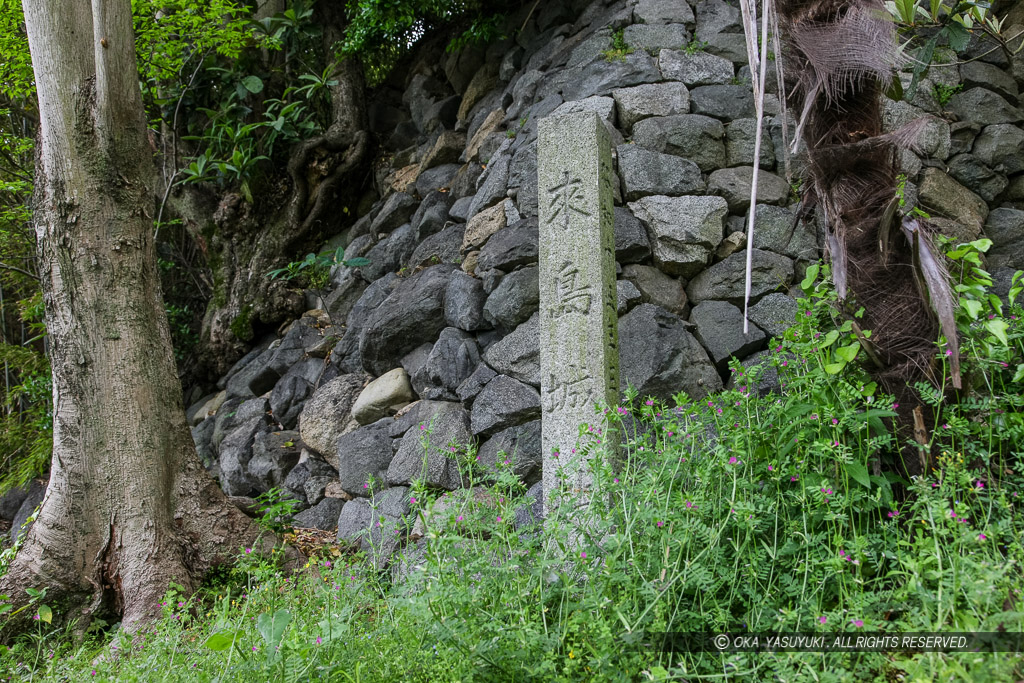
957 35
859 473
221 640
848 352
45 614
810 277
998 327
1019 375
272 627
357 262
830 339
34 593
253 84
834 368
971 307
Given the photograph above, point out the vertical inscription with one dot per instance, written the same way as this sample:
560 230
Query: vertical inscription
578 322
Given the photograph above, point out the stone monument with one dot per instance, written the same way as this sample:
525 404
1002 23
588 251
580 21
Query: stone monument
579 358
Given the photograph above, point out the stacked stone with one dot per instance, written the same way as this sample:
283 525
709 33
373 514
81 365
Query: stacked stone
441 331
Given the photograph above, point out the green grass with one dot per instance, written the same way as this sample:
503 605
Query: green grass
735 513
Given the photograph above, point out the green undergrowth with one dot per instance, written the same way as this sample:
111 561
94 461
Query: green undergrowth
741 512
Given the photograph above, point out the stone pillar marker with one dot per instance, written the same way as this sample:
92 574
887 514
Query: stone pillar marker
579 357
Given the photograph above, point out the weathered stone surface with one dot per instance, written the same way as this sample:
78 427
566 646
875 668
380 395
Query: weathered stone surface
391 253
493 182
1005 227
490 125
777 229
346 354
626 296
362 455
1001 148
510 247
739 144
435 465
516 448
295 483
939 193
775 313
683 230
663 12
604 107
202 409
631 242
968 170
726 279
725 102
396 211
433 180
578 355
274 454
452 360
522 180
720 332
716 16
601 78
759 376
731 46
646 173
411 315
383 396
446 150
661 358
514 300
652 99
474 384
734 185
464 303
482 226
377 524
517 354
978 74
256 377
324 515
699 68
984 107
502 403
11 501
32 500
235 454
235 412
657 288
327 413
697 138
655 37
441 247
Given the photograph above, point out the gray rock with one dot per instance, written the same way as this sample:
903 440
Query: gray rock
626 296
243 362
324 515
726 279
397 210
438 177
529 515
517 354
699 68
431 214
310 468
646 173
411 315
775 313
33 498
452 360
464 302
376 525
978 74
977 177
385 395
346 354
255 377
759 376
734 185
517 448
720 331
716 16
415 414
939 193
291 391
1001 148
776 229
663 12
473 384
503 403
660 358
514 300
631 242
274 454
511 247
657 288
494 180
725 102
235 454
235 412
731 46
364 454
984 107
601 78
604 107
697 138
11 501
523 179
327 414
435 464
390 254
652 99
739 144
441 247
316 486
1005 227
202 437
655 37
684 231
200 410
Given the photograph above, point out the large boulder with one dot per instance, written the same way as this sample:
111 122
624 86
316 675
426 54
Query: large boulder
517 449
659 357
700 139
376 525
235 454
411 315
324 515
684 231
695 69
327 414
453 359
504 403
657 288
654 99
939 193
733 184
383 396
430 454
517 354
363 454
514 300
464 302
631 242
274 454
720 331
511 247
346 353
645 173
726 280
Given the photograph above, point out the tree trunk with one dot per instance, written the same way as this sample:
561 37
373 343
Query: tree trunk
129 507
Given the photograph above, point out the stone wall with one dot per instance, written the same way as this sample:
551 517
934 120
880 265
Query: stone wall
442 327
